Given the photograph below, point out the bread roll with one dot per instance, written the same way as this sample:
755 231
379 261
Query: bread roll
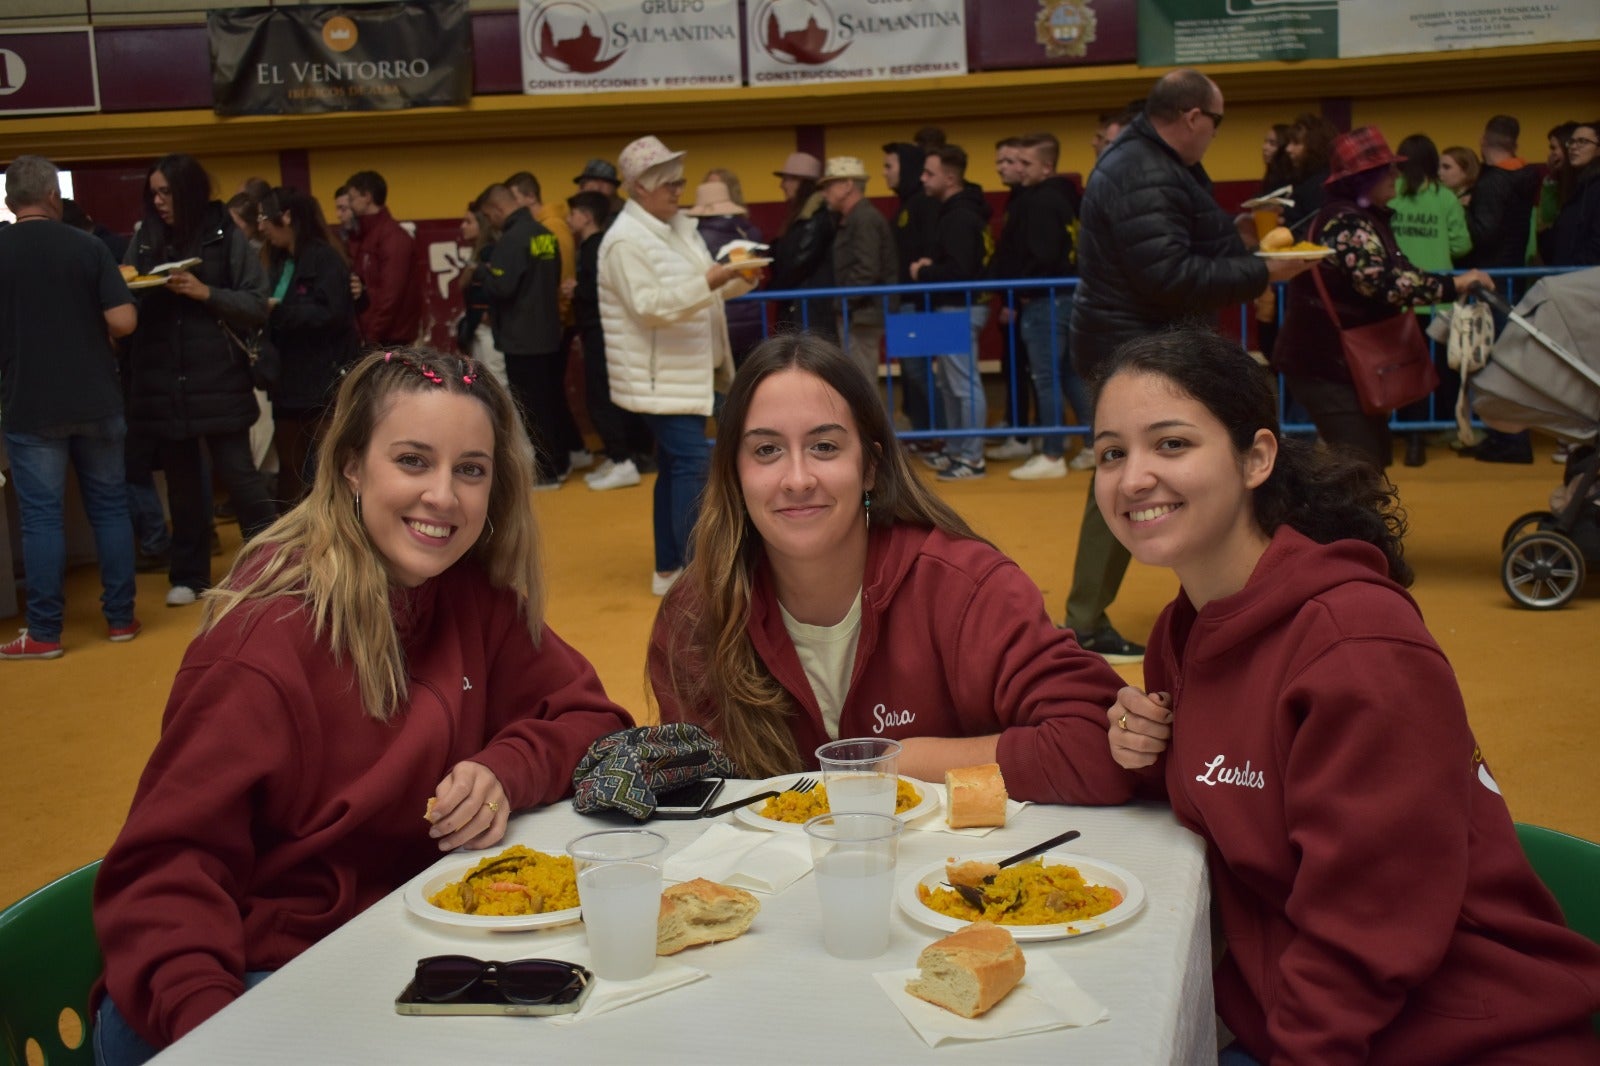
1277 240
702 912
970 970
970 873
128 272
975 796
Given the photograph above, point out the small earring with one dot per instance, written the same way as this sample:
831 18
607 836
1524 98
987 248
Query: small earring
358 507
490 537
866 505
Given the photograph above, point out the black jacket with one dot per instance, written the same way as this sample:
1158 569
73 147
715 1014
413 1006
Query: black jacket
314 329
802 258
187 377
1574 239
523 282
962 245
1154 248
1039 238
917 217
1499 215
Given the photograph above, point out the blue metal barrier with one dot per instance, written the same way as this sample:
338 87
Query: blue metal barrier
901 304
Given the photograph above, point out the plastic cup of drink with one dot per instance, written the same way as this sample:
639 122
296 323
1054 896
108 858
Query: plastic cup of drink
1266 220
853 858
861 775
619 889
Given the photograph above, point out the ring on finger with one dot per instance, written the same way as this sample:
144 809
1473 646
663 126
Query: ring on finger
493 806
1123 721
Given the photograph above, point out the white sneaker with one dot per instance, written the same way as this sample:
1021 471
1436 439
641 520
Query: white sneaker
581 459
620 476
662 584
180 596
600 471
1010 448
1084 460
1041 468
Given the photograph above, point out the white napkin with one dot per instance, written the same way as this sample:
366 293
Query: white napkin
1045 999
761 862
933 821
609 995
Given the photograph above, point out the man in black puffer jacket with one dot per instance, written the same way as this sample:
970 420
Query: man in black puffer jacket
1154 250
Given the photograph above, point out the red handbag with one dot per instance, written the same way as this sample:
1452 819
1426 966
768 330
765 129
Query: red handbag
1388 359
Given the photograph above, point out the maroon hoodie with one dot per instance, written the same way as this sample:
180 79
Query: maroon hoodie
954 642
274 809
1374 901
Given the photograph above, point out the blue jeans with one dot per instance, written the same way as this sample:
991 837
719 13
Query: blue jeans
1046 327
39 468
683 461
961 385
115 1042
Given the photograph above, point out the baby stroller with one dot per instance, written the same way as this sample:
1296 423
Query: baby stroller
1534 379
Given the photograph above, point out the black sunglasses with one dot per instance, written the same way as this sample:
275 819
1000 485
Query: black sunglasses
442 978
1216 119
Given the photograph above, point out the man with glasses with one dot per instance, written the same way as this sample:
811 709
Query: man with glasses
1155 250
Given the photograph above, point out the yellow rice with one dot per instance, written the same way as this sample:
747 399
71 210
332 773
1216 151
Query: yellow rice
802 806
524 882
1050 895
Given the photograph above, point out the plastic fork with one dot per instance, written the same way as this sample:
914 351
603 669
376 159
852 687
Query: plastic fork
804 784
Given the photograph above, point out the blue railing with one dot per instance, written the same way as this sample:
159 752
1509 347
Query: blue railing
892 299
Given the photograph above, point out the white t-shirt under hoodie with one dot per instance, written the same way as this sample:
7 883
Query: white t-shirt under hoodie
828 653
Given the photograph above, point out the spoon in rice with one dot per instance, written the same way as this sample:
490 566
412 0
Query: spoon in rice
973 894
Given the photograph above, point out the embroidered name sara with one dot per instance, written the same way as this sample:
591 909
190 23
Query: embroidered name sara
1218 773
883 718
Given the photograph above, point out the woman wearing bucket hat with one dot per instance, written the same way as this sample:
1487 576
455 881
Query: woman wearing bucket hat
1367 280
667 350
722 217
803 253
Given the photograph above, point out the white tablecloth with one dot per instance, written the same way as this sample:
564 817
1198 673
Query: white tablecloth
773 995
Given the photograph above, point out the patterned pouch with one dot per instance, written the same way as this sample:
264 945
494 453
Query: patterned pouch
625 770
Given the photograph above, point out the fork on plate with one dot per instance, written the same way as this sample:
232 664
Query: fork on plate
804 784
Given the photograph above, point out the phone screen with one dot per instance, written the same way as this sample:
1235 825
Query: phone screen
688 800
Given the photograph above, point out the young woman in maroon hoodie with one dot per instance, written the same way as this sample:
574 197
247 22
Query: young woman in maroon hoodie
1374 902
377 653
831 594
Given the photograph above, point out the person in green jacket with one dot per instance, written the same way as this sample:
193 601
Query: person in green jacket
1430 226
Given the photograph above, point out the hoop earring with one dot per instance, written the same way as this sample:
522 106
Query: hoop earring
358 507
490 535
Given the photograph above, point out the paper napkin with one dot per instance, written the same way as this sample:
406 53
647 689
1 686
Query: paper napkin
1046 999
758 861
933 821
609 995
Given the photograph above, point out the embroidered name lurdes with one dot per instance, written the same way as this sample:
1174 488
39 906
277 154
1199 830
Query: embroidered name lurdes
1218 774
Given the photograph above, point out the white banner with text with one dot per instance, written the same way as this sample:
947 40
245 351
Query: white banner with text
797 42
577 46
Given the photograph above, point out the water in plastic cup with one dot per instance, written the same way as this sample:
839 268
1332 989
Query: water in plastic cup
854 858
619 889
861 775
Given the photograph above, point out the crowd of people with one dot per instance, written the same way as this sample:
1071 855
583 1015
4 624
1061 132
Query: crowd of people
810 577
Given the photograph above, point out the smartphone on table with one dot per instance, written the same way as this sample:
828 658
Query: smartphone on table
687 801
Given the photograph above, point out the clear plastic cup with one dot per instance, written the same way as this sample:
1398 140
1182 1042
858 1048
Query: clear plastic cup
619 889
860 774
853 858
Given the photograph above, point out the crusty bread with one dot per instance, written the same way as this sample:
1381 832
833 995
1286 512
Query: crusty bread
1277 239
975 796
970 970
702 912
970 873
128 271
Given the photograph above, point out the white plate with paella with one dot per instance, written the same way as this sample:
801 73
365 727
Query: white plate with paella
1061 895
788 812
513 891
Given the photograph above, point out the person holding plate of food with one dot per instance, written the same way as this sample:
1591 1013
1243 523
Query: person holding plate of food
1373 898
830 594
373 684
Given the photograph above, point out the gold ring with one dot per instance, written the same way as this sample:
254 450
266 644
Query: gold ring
493 807
1123 721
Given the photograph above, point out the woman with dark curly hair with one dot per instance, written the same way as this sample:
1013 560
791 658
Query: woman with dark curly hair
1297 715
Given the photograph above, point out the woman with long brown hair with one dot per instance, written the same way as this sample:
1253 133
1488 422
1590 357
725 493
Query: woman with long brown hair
373 683
832 594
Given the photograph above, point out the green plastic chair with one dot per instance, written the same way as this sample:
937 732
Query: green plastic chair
49 961
1569 866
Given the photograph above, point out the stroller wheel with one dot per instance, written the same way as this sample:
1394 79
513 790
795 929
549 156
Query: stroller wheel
1542 571
1525 524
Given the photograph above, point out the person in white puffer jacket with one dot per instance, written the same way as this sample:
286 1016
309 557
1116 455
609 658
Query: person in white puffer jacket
667 350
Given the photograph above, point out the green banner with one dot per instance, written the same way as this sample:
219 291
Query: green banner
1191 33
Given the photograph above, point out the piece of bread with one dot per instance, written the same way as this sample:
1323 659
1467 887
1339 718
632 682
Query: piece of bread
1277 239
970 873
970 970
974 796
128 272
702 912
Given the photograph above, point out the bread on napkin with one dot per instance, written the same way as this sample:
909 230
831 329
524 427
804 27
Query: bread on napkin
970 970
702 912
975 796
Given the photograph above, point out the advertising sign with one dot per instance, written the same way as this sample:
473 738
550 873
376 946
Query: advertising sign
48 71
368 57
577 46
796 42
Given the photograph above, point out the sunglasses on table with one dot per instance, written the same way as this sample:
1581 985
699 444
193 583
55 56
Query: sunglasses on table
448 978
